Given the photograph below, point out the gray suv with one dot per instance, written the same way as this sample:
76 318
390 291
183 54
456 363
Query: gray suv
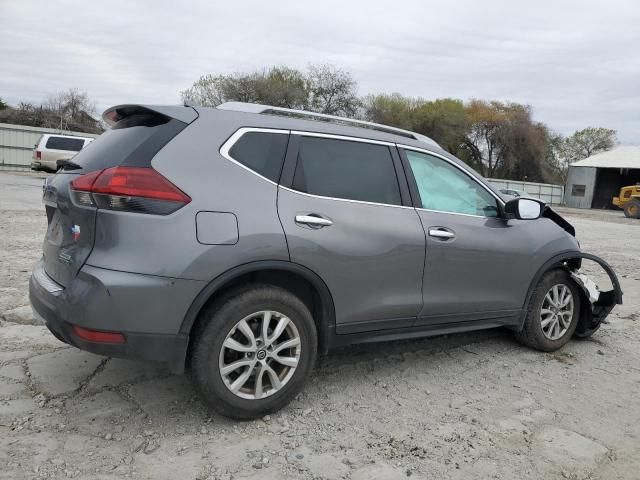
240 241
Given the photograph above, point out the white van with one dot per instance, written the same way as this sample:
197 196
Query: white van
52 148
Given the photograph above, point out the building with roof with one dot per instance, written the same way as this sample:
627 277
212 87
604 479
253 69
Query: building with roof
594 181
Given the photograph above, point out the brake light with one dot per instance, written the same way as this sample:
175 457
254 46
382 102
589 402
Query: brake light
133 189
85 182
97 336
38 155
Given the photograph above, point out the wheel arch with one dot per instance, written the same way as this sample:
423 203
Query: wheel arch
291 276
573 259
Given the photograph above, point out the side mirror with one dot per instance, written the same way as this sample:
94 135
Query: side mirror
523 208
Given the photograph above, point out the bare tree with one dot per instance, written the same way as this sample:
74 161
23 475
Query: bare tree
70 109
586 142
332 91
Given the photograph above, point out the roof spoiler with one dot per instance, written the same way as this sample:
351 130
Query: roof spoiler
185 114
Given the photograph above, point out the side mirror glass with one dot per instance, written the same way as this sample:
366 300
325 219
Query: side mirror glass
524 208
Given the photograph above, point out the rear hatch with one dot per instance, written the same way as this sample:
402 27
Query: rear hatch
137 134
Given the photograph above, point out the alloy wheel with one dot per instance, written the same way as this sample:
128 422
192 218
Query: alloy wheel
260 355
556 313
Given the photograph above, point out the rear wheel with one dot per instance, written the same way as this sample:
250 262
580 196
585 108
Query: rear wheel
255 351
632 208
553 312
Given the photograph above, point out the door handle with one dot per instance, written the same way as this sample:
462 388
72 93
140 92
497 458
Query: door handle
440 232
313 220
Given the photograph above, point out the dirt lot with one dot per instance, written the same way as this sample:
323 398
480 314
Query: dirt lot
461 407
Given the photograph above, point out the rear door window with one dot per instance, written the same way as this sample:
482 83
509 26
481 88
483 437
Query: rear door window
65 143
346 169
262 152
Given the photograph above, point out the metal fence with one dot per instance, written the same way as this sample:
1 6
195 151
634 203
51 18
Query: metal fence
17 143
547 192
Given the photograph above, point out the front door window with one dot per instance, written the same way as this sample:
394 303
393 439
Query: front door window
445 188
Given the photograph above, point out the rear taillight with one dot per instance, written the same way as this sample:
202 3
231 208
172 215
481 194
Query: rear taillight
131 189
38 155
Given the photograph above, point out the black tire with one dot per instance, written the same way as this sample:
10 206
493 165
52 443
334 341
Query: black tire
632 209
219 319
532 334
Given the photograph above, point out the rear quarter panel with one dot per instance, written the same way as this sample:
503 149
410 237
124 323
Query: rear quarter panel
167 245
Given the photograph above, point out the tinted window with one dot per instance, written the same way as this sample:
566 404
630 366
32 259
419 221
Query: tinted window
261 152
445 188
344 169
65 143
134 140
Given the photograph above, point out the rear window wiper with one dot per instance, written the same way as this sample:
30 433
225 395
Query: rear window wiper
68 165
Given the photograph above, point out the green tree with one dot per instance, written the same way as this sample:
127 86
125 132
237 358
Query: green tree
554 160
586 142
3 105
394 110
323 89
277 86
482 142
445 120
523 146
503 141
282 87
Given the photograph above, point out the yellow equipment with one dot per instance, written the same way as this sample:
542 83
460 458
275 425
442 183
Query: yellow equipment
629 200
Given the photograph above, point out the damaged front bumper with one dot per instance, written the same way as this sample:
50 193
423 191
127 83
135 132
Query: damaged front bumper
600 303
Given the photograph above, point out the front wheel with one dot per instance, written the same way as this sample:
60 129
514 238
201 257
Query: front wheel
254 352
553 312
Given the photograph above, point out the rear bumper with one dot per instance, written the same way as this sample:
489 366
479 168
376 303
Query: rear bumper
145 309
42 165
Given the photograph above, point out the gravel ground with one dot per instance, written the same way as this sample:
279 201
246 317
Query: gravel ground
463 406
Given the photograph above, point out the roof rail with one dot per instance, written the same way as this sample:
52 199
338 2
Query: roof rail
267 109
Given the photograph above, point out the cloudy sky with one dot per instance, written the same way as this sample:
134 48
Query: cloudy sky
577 63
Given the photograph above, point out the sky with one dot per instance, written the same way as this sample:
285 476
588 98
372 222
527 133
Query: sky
577 63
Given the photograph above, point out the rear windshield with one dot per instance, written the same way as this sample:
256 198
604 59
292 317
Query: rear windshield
132 140
65 143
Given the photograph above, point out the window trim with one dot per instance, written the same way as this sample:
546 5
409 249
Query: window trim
341 137
413 185
288 189
406 172
237 135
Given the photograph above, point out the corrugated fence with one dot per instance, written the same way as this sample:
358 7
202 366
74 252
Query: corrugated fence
17 143
547 192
